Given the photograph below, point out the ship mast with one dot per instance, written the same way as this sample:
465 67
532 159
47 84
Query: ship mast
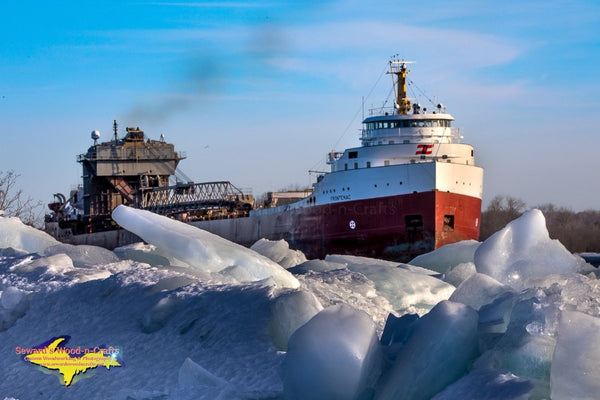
400 69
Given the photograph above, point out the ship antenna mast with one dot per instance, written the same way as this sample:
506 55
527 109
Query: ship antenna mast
400 70
115 125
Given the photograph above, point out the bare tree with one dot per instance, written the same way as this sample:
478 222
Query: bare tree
14 203
500 211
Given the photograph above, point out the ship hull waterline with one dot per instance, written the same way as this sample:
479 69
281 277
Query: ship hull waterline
396 228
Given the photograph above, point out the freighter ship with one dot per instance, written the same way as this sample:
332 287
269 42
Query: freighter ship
410 187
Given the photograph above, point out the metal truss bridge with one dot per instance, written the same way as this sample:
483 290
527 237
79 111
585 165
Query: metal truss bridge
190 197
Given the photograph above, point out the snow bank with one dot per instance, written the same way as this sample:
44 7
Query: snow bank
15 234
198 248
448 256
523 251
335 355
440 349
279 251
222 328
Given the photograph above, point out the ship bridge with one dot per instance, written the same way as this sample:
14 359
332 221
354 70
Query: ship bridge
404 134
409 128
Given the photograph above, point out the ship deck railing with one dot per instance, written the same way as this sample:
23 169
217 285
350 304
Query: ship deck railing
387 133
131 154
383 111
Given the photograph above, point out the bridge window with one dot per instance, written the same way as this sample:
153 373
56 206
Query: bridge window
352 154
421 123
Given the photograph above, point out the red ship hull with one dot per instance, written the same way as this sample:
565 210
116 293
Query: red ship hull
394 228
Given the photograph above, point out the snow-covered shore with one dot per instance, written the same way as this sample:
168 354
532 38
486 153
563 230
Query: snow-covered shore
196 317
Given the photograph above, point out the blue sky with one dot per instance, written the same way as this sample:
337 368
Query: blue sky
258 92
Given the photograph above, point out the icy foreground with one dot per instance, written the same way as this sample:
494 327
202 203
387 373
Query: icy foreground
196 317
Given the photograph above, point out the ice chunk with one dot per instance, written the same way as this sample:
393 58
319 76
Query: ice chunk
11 298
83 256
495 316
441 347
291 310
193 375
12 252
238 273
420 270
523 251
352 288
489 385
142 252
15 234
447 256
526 345
316 266
574 372
198 248
398 329
478 290
335 355
14 303
357 260
58 264
407 291
459 273
171 283
279 251
527 356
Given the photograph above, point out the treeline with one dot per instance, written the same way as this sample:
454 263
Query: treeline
579 232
